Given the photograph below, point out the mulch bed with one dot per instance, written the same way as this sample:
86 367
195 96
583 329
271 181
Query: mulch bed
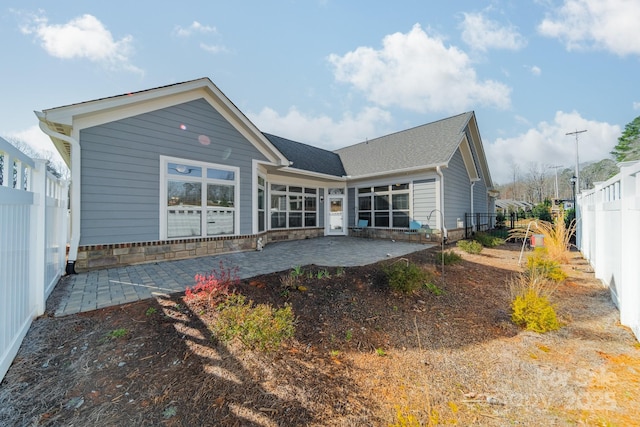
362 355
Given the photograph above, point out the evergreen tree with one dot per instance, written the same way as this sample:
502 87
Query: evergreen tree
628 147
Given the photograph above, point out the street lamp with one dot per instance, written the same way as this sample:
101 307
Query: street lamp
573 181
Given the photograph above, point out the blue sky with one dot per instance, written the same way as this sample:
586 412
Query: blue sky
332 73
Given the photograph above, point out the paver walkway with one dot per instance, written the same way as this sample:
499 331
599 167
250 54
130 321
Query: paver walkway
113 286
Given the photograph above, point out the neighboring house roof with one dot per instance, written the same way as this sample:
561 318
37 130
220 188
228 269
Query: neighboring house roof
508 203
307 157
424 146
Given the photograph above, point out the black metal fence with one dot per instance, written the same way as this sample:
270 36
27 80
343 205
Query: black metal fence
492 223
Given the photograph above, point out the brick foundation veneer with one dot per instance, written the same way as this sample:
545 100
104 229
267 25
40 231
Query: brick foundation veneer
401 235
117 255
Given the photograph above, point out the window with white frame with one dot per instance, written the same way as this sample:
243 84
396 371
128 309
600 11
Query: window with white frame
293 206
385 206
199 198
261 203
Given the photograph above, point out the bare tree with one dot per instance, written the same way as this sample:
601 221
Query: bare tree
515 170
537 182
55 166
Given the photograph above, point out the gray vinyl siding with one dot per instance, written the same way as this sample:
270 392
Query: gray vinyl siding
424 202
480 194
120 169
480 197
457 193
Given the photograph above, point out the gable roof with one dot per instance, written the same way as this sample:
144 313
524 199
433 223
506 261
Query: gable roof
62 123
421 147
425 146
307 157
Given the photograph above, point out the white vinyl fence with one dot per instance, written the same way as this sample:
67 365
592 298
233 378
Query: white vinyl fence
609 237
33 243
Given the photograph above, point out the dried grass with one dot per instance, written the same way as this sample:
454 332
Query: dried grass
557 237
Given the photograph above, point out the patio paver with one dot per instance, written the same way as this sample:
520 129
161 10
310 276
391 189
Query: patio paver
103 288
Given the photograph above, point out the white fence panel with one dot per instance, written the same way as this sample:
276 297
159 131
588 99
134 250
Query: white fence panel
33 238
609 237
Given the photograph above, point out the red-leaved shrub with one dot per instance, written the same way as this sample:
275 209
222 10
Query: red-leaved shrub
213 285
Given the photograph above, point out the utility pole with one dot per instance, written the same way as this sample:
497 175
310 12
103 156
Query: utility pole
556 168
576 133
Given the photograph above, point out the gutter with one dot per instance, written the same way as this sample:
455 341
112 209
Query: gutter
75 190
289 168
473 221
441 175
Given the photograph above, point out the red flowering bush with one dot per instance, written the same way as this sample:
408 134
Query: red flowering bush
214 284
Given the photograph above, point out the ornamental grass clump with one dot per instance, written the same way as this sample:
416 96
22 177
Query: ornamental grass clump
530 302
258 327
556 237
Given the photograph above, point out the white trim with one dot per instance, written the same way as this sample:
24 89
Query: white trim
270 192
408 191
163 162
442 219
256 173
100 111
327 213
337 179
76 177
467 158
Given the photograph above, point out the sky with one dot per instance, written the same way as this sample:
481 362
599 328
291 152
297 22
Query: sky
331 73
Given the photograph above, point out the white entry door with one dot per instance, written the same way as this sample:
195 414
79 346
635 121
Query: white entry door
336 219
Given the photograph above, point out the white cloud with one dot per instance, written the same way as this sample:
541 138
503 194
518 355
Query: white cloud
483 34
636 105
82 37
549 144
417 72
213 48
323 131
535 70
603 24
198 28
195 27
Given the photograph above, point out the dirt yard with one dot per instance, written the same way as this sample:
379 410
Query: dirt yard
362 356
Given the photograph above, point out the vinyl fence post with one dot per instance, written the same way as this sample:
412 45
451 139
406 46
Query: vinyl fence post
630 247
38 224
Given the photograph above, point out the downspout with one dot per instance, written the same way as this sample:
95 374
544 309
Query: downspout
75 191
473 220
441 175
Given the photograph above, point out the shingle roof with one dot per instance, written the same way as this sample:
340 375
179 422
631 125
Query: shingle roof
307 157
428 145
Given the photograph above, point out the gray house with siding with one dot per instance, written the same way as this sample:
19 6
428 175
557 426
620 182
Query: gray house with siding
179 171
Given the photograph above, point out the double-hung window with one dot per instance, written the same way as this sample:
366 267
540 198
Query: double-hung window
385 206
293 206
199 198
261 203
